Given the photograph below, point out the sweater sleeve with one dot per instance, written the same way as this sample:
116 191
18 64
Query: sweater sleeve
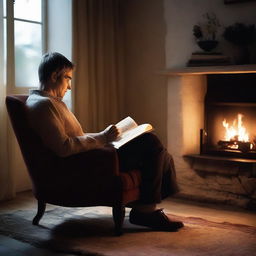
49 125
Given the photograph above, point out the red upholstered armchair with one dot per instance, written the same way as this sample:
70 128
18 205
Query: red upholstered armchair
86 179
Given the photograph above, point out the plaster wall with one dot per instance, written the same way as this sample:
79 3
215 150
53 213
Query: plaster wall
182 15
144 47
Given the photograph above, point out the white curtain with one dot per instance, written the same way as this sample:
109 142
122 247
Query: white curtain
6 179
97 53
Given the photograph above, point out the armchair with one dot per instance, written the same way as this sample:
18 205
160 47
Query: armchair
86 179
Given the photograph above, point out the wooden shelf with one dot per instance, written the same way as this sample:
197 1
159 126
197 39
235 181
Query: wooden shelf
208 70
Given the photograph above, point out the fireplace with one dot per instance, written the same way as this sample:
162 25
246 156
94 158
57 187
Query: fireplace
230 116
204 103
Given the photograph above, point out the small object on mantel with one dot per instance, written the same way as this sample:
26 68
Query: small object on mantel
198 59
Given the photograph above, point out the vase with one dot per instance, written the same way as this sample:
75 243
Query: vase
207 45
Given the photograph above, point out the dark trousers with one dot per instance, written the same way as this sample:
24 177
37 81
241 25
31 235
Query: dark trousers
147 154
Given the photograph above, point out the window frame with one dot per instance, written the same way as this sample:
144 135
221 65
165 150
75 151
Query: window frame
10 46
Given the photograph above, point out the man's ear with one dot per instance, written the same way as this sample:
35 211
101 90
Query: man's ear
54 77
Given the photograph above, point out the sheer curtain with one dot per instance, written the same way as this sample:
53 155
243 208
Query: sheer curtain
6 179
97 53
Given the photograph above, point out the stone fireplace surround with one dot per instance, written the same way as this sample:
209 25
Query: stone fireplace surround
204 178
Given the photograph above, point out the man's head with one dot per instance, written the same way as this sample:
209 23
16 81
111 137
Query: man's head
55 73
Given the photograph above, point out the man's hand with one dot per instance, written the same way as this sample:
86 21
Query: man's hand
111 133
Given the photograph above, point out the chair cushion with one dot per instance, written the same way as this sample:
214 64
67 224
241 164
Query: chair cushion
131 179
131 186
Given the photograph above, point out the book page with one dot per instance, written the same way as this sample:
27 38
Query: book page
131 134
125 125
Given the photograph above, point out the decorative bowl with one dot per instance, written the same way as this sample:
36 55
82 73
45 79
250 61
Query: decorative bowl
207 45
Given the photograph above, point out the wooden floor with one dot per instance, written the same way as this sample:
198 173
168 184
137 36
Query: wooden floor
218 213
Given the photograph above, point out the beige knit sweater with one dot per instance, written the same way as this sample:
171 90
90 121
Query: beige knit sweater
58 128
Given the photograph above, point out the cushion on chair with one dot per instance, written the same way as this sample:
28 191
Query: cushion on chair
131 185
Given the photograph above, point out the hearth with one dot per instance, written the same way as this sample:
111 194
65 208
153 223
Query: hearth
230 116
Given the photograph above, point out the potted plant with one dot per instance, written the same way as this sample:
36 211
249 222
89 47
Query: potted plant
242 36
205 32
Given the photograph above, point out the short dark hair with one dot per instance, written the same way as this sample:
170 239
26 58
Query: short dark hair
52 62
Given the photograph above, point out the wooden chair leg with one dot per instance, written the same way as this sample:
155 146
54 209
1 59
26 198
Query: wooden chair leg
40 212
118 212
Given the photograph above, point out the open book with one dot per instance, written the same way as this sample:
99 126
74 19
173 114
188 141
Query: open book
129 130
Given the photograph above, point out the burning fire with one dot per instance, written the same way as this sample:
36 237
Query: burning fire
236 137
236 132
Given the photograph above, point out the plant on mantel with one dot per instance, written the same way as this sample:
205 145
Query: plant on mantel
205 32
242 36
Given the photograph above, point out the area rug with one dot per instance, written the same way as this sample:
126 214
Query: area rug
89 231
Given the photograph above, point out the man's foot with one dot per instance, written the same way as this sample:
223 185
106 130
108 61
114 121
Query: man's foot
156 220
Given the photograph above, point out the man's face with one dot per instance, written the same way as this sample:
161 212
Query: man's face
63 82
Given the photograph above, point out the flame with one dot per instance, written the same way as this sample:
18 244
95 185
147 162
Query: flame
236 132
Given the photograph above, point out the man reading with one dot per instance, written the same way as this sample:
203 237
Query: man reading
61 132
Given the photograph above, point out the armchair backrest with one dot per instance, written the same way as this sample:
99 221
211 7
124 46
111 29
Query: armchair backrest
37 158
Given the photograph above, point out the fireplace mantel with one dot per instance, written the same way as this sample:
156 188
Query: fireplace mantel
208 178
208 70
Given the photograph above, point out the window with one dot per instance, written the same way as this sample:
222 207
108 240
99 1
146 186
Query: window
24 41
27 38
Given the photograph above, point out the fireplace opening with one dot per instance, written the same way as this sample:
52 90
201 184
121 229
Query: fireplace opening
230 116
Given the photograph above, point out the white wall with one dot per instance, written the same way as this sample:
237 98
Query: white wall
145 90
182 15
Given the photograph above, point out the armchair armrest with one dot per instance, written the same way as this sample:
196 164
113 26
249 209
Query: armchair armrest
101 162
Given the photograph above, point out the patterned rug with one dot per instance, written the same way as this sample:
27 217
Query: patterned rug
89 231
